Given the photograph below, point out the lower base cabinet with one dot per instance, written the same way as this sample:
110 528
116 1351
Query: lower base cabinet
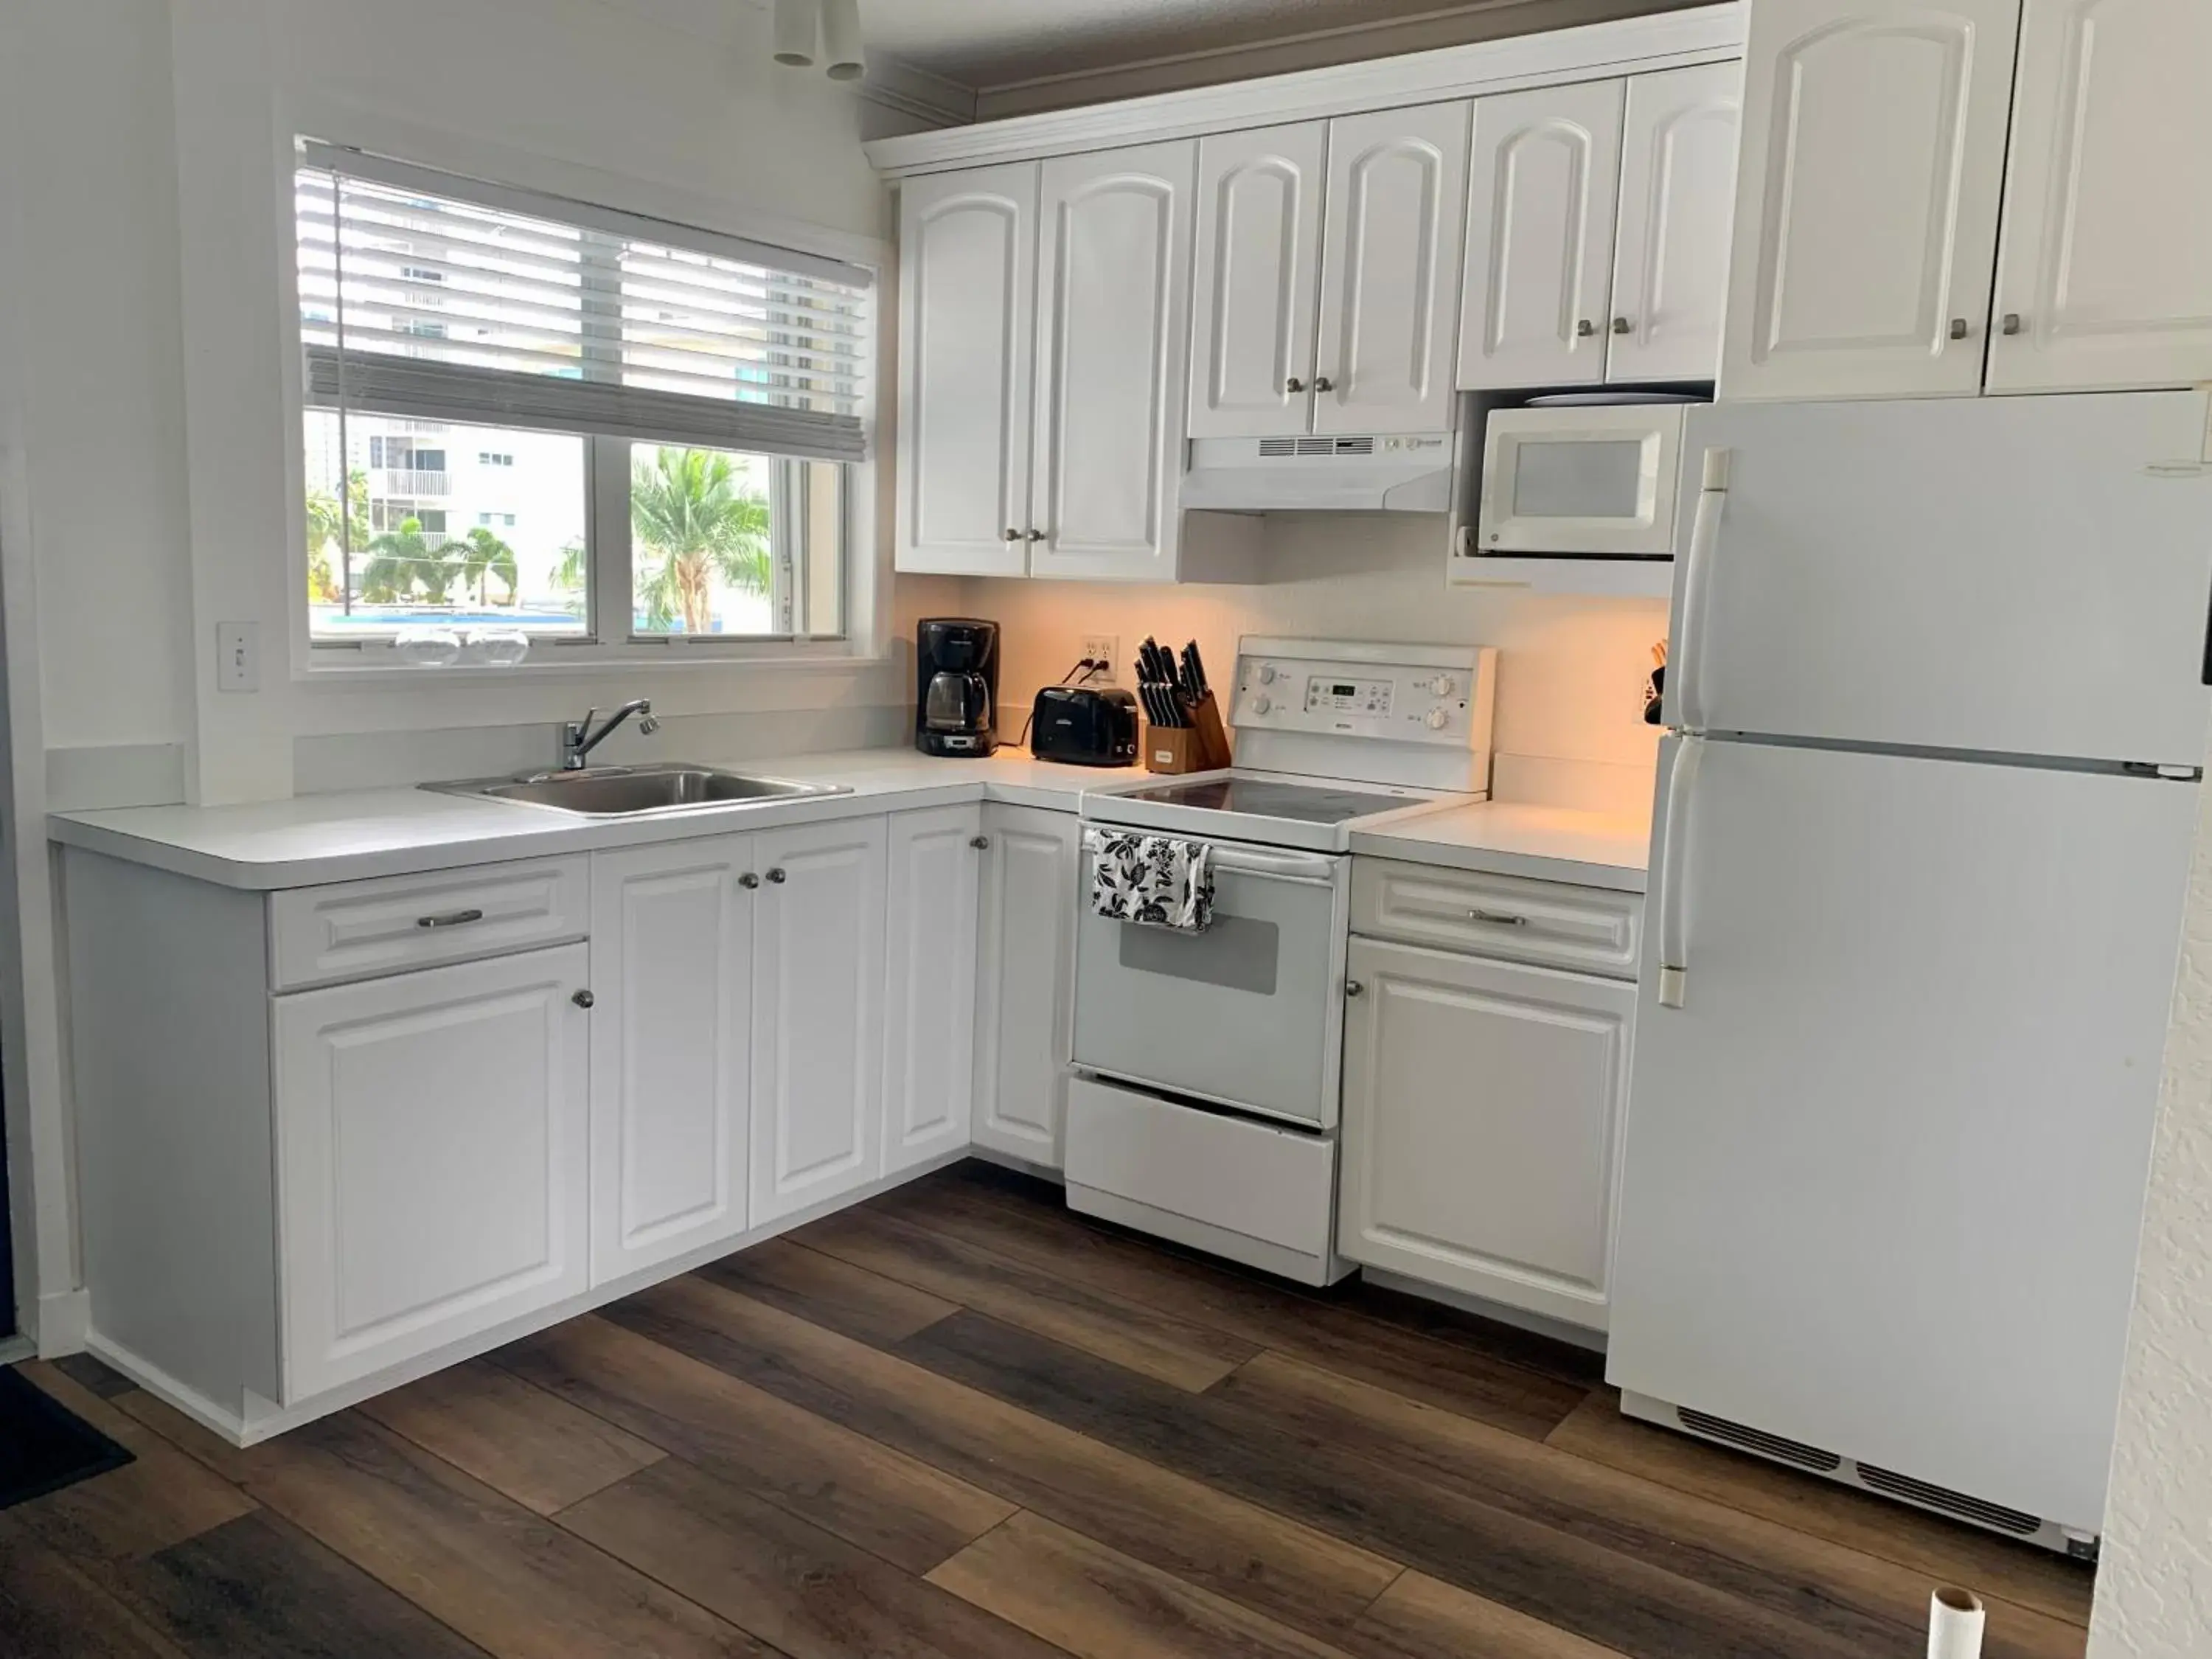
932 926
1483 1103
431 1157
1025 982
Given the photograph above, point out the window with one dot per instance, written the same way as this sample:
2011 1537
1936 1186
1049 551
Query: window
674 416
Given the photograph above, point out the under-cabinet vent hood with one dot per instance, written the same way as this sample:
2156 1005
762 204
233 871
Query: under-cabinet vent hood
1363 474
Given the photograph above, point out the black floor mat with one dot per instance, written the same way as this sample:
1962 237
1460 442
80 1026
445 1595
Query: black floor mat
44 1446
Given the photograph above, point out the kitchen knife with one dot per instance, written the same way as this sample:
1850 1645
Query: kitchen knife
1197 667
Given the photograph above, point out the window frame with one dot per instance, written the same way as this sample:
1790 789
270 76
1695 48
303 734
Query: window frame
865 573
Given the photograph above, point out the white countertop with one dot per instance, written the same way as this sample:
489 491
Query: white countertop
1507 838
312 839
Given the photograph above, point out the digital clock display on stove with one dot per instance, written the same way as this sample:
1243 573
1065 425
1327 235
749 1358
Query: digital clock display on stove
1371 697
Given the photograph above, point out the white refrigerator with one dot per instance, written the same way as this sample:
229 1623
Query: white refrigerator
1938 697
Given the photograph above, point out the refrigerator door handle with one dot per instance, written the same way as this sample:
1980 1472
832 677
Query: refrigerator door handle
1697 566
1673 868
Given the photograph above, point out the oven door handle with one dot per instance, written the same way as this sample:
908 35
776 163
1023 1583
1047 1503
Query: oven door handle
1247 861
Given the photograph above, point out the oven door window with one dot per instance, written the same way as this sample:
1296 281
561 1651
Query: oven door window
1245 1013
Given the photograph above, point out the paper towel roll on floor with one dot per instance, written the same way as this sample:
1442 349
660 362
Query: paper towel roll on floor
1955 1618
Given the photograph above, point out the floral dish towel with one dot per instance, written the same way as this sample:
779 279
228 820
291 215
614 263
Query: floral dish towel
1159 880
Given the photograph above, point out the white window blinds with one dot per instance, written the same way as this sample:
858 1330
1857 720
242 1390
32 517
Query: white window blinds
435 298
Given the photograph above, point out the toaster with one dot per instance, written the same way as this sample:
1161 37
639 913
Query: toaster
1078 726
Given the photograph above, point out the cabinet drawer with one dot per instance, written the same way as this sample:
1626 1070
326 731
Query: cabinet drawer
1588 929
357 929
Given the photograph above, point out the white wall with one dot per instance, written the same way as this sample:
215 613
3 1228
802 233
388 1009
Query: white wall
1570 673
2154 1585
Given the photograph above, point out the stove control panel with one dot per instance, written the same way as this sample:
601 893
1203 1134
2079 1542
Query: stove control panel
1326 694
1434 696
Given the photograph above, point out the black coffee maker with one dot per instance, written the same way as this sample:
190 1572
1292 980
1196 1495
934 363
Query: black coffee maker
956 703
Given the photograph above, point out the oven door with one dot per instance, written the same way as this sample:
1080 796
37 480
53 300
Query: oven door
1248 1013
1593 480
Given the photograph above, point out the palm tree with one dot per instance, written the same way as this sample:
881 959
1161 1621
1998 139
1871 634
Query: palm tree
687 509
483 556
324 527
402 560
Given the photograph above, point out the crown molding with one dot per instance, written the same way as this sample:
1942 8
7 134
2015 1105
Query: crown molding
895 84
1633 45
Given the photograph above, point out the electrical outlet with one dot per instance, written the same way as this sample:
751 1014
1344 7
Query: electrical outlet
1102 649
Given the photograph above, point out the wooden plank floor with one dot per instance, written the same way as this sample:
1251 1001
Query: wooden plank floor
959 1422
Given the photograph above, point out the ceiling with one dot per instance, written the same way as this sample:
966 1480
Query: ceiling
992 43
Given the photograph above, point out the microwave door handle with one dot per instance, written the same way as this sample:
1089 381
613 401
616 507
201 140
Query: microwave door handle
1674 874
1685 672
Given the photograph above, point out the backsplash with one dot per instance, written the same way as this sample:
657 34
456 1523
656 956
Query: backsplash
1570 726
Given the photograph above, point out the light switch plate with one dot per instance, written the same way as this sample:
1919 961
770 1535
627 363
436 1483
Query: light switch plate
238 656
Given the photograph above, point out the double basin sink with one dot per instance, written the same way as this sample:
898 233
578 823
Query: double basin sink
629 792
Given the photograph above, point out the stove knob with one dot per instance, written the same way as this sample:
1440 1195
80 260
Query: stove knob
1442 685
1436 718
1262 705
1266 673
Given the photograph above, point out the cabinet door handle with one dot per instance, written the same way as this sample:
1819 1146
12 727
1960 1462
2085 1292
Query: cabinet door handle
749 881
1498 918
450 919
1959 328
1010 534
1622 325
776 875
979 842
2014 322
1322 383
1585 329
1037 535
1352 988
583 998
1294 384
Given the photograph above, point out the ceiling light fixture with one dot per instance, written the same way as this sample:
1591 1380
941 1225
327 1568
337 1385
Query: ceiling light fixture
797 30
841 39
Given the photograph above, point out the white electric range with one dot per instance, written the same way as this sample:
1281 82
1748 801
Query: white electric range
1208 1065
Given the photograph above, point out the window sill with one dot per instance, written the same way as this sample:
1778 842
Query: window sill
343 667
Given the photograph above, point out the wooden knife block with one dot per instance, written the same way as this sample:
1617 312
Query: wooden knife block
1202 746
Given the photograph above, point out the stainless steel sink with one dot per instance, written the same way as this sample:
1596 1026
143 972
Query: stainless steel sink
629 792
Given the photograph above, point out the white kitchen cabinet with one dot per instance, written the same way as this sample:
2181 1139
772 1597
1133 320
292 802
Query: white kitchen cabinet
1025 997
1395 218
1866 197
671 967
1483 1105
966 326
430 1138
929 982
817 979
2105 267
1258 275
1679 132
1542 189
1113 345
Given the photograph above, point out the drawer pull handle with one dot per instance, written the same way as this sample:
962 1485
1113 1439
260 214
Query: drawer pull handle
450 919
1498 918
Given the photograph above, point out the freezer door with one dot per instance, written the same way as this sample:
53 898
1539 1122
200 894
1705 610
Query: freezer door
2023 576
1884 1166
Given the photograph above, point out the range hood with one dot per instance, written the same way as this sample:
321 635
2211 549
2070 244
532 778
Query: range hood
1393 474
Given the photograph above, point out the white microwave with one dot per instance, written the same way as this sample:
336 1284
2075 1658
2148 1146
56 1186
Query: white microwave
1592 479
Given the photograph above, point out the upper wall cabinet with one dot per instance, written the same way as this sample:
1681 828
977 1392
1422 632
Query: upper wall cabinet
1393 218
1328 276
1112 346
1866 205
2105 270
1597 239
966 321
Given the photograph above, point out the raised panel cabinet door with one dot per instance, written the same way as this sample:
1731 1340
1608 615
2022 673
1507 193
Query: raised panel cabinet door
430 1153
967 325
817 1022
672 963
1113 363
1395 214
929 982
1025 996
1482 1116
1543 186
1257 283
1678 152
2104 268
1866 198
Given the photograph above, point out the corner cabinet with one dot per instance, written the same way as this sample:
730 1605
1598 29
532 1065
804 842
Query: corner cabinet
1025 995
930 982
2105 267
1866 197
